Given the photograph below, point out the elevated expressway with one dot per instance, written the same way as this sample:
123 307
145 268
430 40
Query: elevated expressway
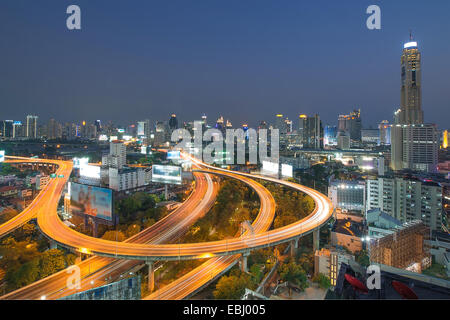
96 271
30 212
53 227
201 276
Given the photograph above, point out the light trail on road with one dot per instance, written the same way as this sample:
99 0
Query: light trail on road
96 271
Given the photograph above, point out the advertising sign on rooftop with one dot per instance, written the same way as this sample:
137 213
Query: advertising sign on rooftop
287 170
93 201
166 174
90 172
173 155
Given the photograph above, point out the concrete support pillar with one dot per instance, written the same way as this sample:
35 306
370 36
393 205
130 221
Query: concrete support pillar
316 236
166 192
94 228
294 247
244 262
151 276
53 244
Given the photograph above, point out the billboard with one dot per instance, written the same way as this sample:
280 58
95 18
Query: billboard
93 201
79 162
2 156
89 171
173 155
126 289
271 167
287 171
166 174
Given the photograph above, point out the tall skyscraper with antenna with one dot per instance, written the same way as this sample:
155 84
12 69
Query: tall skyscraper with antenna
414 144
411 88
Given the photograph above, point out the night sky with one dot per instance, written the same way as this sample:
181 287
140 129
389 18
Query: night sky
244 59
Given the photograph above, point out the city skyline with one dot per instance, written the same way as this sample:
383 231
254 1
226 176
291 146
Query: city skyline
212 151
149 79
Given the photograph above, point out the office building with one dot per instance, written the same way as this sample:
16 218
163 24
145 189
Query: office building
370 136
407 248
328 262
352 124
143 129
32 127
343 140
347 194
414 144
406 199
280 124
54 129
18 130
330 136
161 133
385 132
348 233
7 128
117 156
411 89
312 131
126 178
173 123
445 139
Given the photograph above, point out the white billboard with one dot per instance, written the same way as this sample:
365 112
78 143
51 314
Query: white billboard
2 155
287 170
173 155
79 162
166 174
90 172
271 167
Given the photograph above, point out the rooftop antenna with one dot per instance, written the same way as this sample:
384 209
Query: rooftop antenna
410 35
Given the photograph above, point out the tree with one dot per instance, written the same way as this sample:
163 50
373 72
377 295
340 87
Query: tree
362 258
51 262
7 215
114 236
232 287
293 273
132 230
26 274
323 281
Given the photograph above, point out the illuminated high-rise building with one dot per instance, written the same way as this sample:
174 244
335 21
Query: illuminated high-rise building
143 129
17 129
411 88
280 124
352 124
98 125
414 145
173 123
385 132
445 138
31 130
7 128
54 129
312 132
